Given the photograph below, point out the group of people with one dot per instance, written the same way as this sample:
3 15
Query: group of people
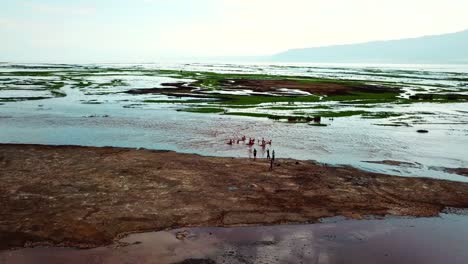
251 142
270 158
263 143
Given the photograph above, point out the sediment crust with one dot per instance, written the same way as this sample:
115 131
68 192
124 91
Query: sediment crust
88 196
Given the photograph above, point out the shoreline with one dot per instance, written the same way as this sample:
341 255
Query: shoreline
89 196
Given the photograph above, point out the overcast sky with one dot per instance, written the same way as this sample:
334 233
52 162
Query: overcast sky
147 30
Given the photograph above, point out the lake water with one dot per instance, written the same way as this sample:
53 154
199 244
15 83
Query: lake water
102 115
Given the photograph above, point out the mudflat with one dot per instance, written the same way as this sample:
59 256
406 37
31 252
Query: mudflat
87 196
329 87
318 88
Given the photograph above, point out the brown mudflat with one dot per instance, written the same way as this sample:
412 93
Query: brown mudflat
460 171
395 163
87 196
317 88
270 86
167 89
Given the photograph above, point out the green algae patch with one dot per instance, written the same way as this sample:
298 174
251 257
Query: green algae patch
19 99
204 110
90 102
318 124
253 115
58 93
282 108
340 113
189 101
82 84
54 85
301 116
288 118
298 107
257 99
319 107
213 79
439 98
365 98
360 105
395 124
237 106
379 115
29 73
113 83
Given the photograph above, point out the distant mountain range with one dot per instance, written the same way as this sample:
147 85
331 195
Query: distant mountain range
447 48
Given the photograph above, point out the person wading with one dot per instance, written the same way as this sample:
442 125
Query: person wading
255 154
272 159
268 154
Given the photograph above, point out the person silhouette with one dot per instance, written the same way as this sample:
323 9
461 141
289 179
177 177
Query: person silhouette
272 161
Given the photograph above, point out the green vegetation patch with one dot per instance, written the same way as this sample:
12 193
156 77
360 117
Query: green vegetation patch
360 105
90 102
188 101
254 115
318 124
205 110
378 115
340 113
365 98
55 85
113 83
18 99
236 106
213 78
83 84
288 118
439 98
256 99
28 73
58 93
298 107
213 81
397 124
298 117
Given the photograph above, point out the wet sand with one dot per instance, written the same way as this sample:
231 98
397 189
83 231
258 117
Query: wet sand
86 196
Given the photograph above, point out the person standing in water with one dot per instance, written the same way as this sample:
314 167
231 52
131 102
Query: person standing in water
255 154
268 154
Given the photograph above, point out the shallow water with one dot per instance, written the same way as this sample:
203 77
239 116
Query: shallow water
104 116
24 93
393 240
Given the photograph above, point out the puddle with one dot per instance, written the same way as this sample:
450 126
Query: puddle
393 240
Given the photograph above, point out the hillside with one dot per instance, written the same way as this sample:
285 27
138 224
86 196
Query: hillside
447 48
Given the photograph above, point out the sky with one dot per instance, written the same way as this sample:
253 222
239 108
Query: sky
150 30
